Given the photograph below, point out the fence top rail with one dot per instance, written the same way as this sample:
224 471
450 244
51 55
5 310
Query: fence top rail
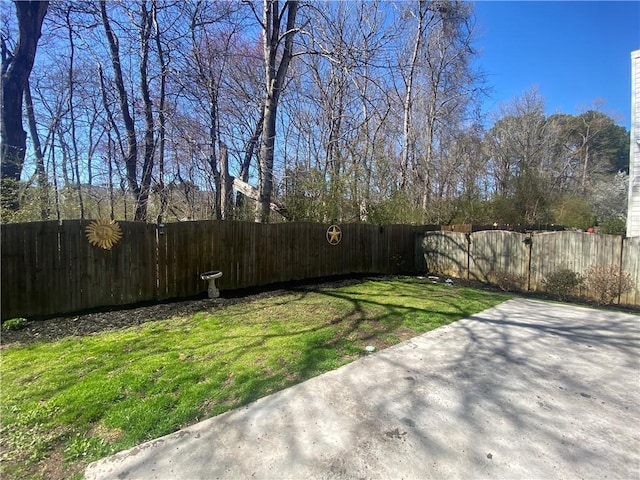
425 227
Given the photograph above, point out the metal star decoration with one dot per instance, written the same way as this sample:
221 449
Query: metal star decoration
334 234
103 233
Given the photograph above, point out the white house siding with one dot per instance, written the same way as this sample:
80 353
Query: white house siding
633 212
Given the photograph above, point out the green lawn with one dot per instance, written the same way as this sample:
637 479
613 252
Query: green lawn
69 402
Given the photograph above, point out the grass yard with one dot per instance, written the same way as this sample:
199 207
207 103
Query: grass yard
72 401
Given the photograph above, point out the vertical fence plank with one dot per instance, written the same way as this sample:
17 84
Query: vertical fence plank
170 259
315 240
120 269
125 262
174 251
575 251
206 261
192 243
73 237
631 267
57 277
146 246
445 253
13 263
236 240
31 260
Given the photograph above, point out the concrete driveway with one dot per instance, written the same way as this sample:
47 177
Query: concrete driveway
527 389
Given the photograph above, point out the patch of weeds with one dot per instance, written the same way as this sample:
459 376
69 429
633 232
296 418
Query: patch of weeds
28 436
76 476
14 324
86 448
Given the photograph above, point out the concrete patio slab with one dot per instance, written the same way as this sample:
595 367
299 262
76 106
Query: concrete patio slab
527 389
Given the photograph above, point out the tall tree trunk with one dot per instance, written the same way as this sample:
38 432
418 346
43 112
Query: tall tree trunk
72 115
107 108
41 174
164 197
210 77
425 168
408 97
16 68
66 181
110 173
275 72
131 154
248 156
56 190
213 150
142 199
226 185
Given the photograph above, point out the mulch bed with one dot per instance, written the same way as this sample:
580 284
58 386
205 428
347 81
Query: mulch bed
90 323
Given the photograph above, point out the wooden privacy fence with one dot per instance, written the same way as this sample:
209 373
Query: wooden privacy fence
486 254
50 268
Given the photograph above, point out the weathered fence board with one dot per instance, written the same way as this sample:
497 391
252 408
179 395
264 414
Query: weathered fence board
631 266
494 252
51 268
13 250
576 251
446 253
480 255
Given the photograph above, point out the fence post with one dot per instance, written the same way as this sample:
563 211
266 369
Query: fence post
528 241
620 268
467 236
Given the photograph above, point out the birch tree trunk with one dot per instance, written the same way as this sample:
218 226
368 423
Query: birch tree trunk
408 96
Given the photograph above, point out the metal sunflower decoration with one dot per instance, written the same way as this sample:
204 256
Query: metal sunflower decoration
103 233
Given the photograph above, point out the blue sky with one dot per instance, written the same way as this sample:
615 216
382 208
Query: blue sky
574 52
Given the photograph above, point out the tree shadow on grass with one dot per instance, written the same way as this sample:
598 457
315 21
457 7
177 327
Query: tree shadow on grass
524 390
323 347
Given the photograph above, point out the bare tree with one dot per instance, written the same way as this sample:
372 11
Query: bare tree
16 68
131 154
518 144
41 173
338 109
73 152
379 121
449 79
140 189
422 22
278 51
142 193
164 71
208 55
